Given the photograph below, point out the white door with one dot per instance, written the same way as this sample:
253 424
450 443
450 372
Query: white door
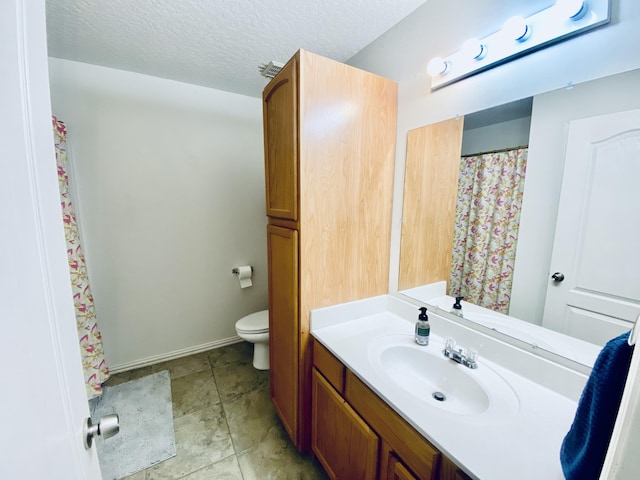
597 240
42 402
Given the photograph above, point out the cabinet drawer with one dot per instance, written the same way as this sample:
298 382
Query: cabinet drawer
417 454
329 366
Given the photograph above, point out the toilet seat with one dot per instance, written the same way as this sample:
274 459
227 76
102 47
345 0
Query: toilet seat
255 323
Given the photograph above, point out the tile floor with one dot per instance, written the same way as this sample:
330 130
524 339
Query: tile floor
225 425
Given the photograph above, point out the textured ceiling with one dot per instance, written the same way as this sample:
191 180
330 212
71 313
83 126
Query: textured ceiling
214 43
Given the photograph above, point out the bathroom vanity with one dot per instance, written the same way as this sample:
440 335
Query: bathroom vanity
382 444
376 413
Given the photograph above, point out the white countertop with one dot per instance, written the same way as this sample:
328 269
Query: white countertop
554 342
525 445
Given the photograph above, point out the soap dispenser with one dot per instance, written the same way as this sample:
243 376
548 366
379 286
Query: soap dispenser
457 307
422 327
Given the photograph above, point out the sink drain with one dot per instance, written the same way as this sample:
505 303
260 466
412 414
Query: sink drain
439 396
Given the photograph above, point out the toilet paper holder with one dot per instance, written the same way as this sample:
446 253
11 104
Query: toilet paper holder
235 271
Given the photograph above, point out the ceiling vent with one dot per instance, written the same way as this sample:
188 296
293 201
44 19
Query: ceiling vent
270 69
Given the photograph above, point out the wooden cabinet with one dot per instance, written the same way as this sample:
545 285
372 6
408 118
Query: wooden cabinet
450 471
422 458
329 136
282 244
281 144
343 443
350 422
397 471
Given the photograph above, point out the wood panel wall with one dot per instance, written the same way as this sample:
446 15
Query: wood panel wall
430 188
347 153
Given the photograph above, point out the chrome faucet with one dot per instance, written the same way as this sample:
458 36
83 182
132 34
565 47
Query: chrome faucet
468 357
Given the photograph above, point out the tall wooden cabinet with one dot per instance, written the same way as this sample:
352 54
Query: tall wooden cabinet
329 136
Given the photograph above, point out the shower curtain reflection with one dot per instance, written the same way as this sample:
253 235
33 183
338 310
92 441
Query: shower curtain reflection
93 361
490 190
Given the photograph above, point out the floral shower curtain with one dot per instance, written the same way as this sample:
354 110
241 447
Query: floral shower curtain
490 190
93 362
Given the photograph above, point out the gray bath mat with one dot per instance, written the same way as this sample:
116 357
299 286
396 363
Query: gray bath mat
146 425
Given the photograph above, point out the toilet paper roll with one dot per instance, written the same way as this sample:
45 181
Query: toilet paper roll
244 276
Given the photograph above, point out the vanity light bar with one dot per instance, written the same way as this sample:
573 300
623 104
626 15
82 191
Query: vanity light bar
519 36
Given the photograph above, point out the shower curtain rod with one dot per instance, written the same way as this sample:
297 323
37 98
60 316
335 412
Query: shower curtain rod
508 149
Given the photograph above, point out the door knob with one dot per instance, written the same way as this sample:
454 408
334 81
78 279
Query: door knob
107 427
557 277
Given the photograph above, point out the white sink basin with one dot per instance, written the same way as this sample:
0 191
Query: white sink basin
437 382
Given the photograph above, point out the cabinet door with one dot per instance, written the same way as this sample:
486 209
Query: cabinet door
280 115
343 443
450 471
397 471
419 455
282 245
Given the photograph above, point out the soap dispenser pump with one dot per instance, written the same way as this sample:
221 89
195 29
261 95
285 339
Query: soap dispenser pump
422 327
457 307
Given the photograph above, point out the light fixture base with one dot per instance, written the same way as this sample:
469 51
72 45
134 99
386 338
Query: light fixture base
540 30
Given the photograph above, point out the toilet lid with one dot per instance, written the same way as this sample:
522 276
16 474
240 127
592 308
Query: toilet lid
255 323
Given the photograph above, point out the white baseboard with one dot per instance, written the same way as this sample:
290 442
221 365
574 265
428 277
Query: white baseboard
144 362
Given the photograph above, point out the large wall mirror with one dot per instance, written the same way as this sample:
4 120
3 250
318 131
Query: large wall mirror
559 242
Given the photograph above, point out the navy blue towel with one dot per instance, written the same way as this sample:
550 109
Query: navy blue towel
585 446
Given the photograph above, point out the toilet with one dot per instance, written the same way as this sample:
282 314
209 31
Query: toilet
254 328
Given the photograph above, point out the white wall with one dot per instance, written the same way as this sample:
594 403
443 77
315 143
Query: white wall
552 113
170 179
497 136
440 26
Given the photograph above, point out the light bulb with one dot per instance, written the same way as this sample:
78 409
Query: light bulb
437 66
473 48
572 9
517 29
